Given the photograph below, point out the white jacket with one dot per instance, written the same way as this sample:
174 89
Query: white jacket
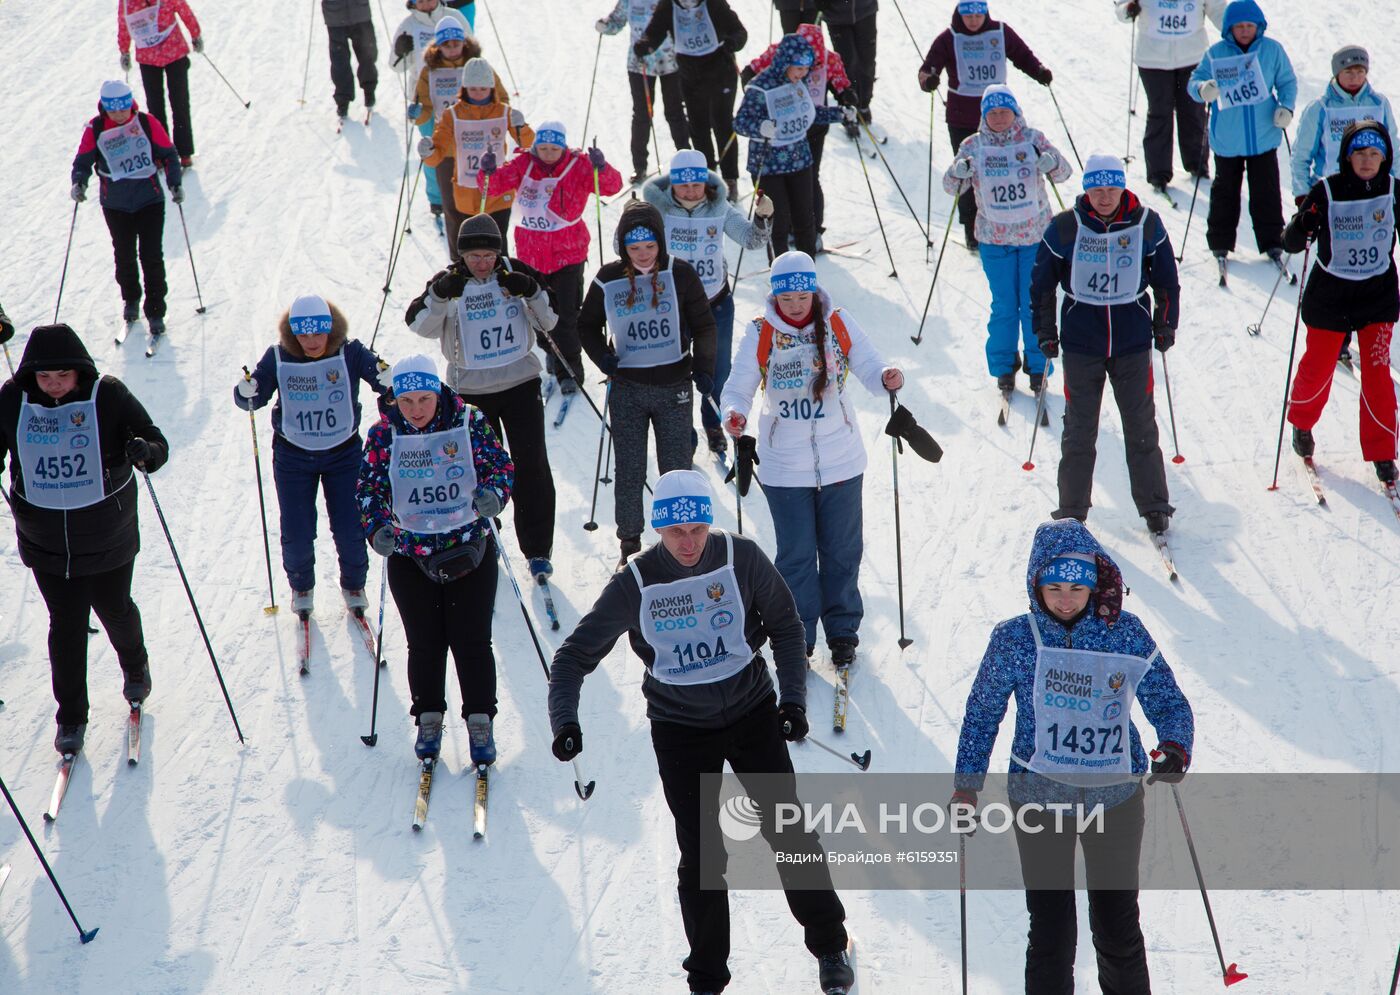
420 27
825 446
1162 53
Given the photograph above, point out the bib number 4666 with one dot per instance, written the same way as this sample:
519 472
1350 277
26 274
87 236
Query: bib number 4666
649 329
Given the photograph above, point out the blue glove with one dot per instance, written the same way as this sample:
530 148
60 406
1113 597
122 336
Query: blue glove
414 109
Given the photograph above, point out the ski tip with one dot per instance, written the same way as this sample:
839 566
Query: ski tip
87 937
477 834
371 739
905 643
861 760
1233 975
417 827
49 817
585 791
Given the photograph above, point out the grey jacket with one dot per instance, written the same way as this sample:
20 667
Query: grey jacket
749 234
343 13
770 615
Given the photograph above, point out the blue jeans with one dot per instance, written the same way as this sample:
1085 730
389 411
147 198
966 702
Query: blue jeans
819 549
724 346
1008 269
296 474
430 180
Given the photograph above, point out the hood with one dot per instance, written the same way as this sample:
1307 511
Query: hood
54 347
785 53
640 212
716 190
434 59
1241 11
339 329
1070 535
961 29
1012 135
1344 163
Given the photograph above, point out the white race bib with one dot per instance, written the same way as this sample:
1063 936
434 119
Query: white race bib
700 242
60 459
816 83
444 87
532 202
787 386
1171 20
639 16
694 32
317 410
127 151
1241 83
1334 122
1007 180
432 478
790 105
1107 266
491 327
145 32
981 60
473 140
695 625
644 333
1362 233
423 36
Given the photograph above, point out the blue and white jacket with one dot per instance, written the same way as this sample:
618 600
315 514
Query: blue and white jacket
1008 668
1310 159
1248 130
766 159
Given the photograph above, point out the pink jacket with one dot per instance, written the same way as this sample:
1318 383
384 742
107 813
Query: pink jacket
550 252
174 47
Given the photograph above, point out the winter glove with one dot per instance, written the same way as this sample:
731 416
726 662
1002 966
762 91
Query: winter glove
1043 76
1163 337
848 97
903 426
643 48
247 388
1298 201
197 44
962 168
517 119
608 364
928 82
78 193
768 129
1169 762
892 378
746 76
1282 118
849 115
1133 10
403 46
177 194
487 502
382 542
963 808
517 284
1209 90
1047 162
1050 346
793 719
413 110
126 62
704 383
601 26
734 424
448 284
138 451
425 146
385 375
764 207
733 44
596 159
746 458
569 743
7 327
488 163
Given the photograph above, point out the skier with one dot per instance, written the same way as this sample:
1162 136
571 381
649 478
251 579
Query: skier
663 339
127 146
485 312
1006 163
1349 97
315 370
418 31
1108 331
432 472
73 498
707 35
1169 40
854 34
810 455
777 111
973 52
164 58
709 703
826 73
1075 624
1250 80
693 201
552 184
439 82
476 124
349 24
642 76
1353 288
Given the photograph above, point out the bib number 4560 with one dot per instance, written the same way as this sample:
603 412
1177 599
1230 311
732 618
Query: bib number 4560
435 494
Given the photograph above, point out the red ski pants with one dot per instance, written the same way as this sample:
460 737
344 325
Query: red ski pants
1314 382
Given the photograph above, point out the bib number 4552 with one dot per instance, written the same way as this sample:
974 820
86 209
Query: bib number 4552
60 467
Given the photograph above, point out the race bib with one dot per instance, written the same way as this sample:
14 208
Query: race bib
700 242
1171 20
432 479
816 83
318 412
790 106
787 389
491 327
1241 83
473 140
444 87
1334 122
1107 266
981 61
693 30
143 26
645 333
532 203
1006 178
60 459
127 151
1362 233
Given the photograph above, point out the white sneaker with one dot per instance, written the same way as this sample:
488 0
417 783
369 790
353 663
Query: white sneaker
301 602
355 601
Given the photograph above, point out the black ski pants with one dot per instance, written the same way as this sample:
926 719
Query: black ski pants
967 200
790 19
855 43
69 601
440 617
136 238
1167 99
452 218
1131 376
644 106
791 194
752 745
176 76
1265 201
668 410
566 289
816 140
1047 865
361 38
709 92
519 409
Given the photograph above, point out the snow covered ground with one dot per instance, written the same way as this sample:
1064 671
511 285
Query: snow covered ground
289 864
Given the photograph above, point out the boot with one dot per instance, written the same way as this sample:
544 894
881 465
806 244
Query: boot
1006 382
719 442
137 687
639 176
834 973
733 185
69 740
1157 522
131 311
541 569
1302 442
429 743
1385 470
483 742
1037 382
156 326
843 652
301 602
355 601
630 547
970 236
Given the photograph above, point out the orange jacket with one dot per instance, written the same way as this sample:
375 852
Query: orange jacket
468 200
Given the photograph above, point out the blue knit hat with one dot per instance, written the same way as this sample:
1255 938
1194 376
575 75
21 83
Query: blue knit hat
999 95
116 96
1104 170
972 7
416 373
688 166
1366 138
682 497
448 29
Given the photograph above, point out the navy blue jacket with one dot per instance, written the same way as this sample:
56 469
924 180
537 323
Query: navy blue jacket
766 159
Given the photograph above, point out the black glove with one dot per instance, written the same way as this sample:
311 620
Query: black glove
1163 337
848 97
403 45
1169 762
1050 346
704 383
138 451
903 426
732 44
1043 76
745 459
569 743
7 327
1298 201
643 48
794 722
1133 10
609 364
517 284
449 283
746 75
968 797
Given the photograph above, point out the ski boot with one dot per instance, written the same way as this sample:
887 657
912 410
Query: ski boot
1303 442
1037 382
156 326
429 743
355 601
1006 382
131 311
70 739
718 441
137 687
482 740
970 235
301 602
1157 522
629 548
843 652
834 973
733 185
541 569
639 176
1385 470
1344 358
567 386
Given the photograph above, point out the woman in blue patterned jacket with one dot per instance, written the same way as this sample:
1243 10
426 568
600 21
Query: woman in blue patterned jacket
1075 662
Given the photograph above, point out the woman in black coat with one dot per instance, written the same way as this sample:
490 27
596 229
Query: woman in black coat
72 438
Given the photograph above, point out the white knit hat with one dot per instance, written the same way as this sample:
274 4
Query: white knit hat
688 166
1105 170
310 315
115 96
682 497
416 372
793 271
478 72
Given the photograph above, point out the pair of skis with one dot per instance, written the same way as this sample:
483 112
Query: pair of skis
426 769
565 403
1004 412
153 340
1278 262
65 767
1392 493
304 639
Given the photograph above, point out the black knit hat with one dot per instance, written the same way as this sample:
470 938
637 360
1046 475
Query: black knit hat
479 232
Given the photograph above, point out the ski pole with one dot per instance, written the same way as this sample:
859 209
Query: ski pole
190 252
607 462
1258 326
592 524
1166 379
1065 125
583 790
928 199
262 504
896 447
63 278
1196 187
8 361
514 89
860 154
913 214
245 103
1288 380
942 251
394 237
861 760
1039 414
194 607
598 203
962 904
1231 974
738 498
373 736
757 193
1056 191
597 54
306 73
651 119
1132 95
85 935
1395 978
